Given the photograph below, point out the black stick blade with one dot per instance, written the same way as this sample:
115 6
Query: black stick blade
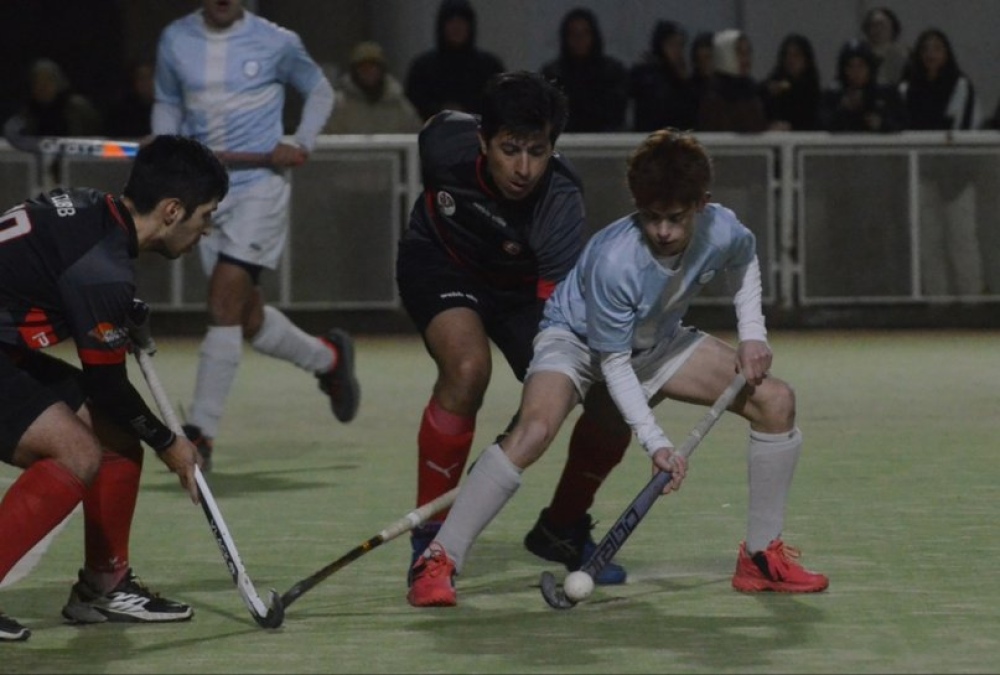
275 613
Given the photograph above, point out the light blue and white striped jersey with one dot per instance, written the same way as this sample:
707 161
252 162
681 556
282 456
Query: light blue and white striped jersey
619 298
229 84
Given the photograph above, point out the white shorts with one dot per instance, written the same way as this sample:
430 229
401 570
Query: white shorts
561 351
250 225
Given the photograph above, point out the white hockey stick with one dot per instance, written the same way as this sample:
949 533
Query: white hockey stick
266 617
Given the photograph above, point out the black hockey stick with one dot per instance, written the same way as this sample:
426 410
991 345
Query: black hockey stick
404 524
105 148
619 533
266 617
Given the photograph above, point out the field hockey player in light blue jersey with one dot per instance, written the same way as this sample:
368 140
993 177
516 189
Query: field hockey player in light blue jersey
617 318
221 73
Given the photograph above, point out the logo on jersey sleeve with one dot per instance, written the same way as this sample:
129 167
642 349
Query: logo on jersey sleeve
109 334
445 203
251 68
512 248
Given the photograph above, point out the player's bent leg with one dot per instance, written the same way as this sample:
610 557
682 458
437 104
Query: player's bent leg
563 531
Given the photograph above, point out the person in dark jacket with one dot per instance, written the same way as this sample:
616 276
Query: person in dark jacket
595 84
792 91
731 100
856 102
452 75
660 85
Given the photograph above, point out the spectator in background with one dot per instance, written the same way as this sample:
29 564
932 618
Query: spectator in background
938 95
54 108
731 100
881 30
131 114
595 84
702 61
369 99
856 102
660 85
792 91
452 75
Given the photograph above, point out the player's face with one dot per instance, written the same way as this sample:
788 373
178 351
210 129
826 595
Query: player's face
183 234
668 227
517 163
222 13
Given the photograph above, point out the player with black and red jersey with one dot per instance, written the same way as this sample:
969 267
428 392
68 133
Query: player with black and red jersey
67 271
499 224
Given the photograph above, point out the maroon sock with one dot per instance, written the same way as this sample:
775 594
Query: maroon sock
39 499
108 508
593 453
444 442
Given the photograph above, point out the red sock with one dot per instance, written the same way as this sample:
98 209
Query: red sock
39 499
108 508
444 442
593 452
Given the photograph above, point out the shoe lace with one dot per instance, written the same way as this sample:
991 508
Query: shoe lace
134 585
437 563
784 558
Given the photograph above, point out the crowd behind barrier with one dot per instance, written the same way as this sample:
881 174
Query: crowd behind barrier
841 219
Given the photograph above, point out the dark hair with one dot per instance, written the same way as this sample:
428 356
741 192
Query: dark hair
802 42
581 13
175 167
663 31
859 49
897 27
522 102
669 167
950 71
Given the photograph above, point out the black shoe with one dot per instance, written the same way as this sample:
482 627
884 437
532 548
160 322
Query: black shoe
202 442
570 545
11 630
340 383
129 602
420 538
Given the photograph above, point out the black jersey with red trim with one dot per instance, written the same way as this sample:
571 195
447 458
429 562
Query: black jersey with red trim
67 271
524 244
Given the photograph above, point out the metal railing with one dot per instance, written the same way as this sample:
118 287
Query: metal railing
840 219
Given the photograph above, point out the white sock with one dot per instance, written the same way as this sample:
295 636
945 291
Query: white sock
771 460
282 339
492 482
219 359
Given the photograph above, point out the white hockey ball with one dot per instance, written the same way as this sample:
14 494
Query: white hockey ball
578 586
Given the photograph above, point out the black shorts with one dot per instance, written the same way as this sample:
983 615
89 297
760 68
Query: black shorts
30 383
430 282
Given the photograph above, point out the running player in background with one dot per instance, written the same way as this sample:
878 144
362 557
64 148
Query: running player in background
616 318
500 222
220 78
67 271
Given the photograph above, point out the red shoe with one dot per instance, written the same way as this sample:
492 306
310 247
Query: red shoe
775 569
433 579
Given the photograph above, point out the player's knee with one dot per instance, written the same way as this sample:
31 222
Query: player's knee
775 405
529 440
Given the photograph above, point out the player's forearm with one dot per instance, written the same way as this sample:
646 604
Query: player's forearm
108 389
315 110
627 393
745 284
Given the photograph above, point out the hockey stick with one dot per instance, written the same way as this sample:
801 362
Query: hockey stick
629 520
104 148
404 524
265 617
